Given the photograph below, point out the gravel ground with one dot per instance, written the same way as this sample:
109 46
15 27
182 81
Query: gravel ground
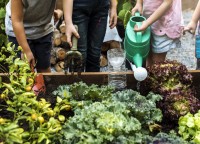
185 54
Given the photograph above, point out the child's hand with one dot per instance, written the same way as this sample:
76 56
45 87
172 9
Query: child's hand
138 7
143 27
30 58
70 30
57 14
191 28
113 18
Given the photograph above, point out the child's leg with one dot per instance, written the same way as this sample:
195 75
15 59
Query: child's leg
42 51
96 33
155 57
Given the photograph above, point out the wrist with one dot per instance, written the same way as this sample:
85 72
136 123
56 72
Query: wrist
68 22
113 4
193 20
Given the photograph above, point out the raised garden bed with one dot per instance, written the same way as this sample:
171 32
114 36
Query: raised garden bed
101 78
63 110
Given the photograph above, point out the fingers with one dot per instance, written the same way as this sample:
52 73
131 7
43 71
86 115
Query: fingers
112 22
137 8
76 34
32 64
133 11
69 39
187 29
137 29
69 34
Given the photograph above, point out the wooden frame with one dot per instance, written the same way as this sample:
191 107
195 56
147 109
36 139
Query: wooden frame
100 78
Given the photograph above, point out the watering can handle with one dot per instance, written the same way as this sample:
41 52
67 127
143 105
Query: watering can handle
138 34
137 13
74 40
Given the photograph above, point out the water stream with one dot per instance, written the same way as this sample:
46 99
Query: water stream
138 86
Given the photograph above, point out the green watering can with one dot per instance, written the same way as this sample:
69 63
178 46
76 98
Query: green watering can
136 44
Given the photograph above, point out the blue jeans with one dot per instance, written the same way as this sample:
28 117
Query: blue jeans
91 18
41 49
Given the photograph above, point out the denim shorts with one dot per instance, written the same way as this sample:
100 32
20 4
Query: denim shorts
41 49
162 44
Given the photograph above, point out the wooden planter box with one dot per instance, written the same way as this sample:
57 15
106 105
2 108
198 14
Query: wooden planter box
53 80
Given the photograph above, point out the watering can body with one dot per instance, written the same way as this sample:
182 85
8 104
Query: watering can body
136 44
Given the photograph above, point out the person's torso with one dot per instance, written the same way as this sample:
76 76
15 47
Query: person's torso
171 23
37 18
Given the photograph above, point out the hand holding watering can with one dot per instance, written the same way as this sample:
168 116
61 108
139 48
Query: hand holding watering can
137 45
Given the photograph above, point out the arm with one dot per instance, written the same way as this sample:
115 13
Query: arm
113 14
191 27
58 13
70 29
59 4
156 15
18 27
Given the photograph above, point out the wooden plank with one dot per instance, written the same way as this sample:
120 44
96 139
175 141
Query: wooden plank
100 78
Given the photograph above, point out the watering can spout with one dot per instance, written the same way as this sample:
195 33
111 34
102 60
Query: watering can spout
138 60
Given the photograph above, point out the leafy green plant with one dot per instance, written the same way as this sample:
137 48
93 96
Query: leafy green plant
33 117
164 138
107 117
3 37
189 127
101 123
10 132
172 80
124 10
79 94
142 108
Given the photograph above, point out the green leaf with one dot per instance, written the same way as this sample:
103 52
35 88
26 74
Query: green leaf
127 6
121 14
15 139
11 109
127 18
42 137
2 13
27 109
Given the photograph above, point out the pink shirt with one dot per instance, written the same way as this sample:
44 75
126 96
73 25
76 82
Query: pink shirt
171 23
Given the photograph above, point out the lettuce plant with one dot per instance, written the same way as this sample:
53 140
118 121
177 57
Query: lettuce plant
172 80
189 127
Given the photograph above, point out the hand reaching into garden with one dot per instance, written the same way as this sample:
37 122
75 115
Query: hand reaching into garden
30 58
